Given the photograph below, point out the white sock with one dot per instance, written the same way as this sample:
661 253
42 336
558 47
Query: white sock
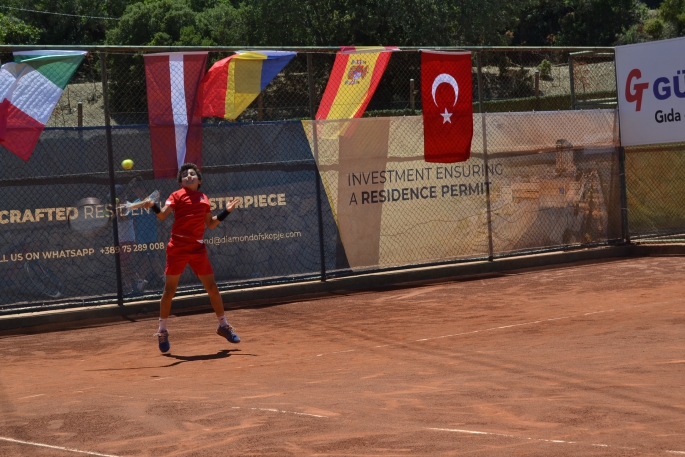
222 321
162 325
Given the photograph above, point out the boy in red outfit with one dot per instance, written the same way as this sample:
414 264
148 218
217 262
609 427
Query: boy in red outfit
192 214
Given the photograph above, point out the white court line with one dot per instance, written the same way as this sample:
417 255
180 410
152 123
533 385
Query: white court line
31 396
541 321
283 412
337 352
66 449
497 328
474 432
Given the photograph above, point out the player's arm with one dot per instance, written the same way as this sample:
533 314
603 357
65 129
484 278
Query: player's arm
161 213
164 212
212 221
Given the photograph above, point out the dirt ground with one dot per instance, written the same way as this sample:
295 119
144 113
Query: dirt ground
580 360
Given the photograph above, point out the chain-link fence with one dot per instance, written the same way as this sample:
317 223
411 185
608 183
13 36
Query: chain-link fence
319 198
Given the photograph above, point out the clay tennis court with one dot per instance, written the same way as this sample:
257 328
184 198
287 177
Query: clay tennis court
583 359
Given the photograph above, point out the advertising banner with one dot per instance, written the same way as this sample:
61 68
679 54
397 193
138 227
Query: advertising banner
651 92
56 232
552 179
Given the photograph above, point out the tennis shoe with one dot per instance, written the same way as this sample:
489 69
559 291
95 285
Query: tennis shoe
163 338
228 333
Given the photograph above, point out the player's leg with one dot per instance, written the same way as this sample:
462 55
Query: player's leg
175 264
199 263
225 329
162 334
170 286
209 283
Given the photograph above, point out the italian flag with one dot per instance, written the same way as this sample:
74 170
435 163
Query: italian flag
29 90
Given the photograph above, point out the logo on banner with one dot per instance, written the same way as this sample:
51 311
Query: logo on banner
357 72
634 91
446 79
663 88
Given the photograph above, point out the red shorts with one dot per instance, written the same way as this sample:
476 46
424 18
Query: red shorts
180 253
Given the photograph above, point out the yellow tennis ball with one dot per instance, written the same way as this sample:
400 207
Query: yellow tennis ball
127 164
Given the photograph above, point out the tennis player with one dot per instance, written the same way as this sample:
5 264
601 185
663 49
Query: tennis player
192 214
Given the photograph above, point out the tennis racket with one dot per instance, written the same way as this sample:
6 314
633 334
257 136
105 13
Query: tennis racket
128 206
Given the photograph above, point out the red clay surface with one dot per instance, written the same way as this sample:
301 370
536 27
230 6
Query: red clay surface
580 360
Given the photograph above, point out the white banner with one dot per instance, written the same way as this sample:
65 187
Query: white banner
651 92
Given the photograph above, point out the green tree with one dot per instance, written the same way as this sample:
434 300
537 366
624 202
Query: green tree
175 23
69 21
15 31
596 22
673 13
577 22
386 22
233 29
161 23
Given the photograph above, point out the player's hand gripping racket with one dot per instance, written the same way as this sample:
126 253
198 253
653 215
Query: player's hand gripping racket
129 206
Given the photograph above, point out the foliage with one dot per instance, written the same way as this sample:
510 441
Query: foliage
672 12
16 31
545 69
337 22
577 22
164 23
320 23
65 29
654 28
388 22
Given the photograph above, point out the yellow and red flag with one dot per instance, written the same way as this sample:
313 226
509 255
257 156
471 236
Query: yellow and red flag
354 78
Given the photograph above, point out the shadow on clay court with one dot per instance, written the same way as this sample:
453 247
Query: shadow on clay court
224 353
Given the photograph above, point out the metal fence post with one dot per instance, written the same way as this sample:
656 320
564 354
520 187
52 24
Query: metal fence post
570 77
112 184
317 177
485 157
260 106
625 229
411 96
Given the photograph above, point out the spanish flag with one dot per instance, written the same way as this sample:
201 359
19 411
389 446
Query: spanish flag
353 81
234 82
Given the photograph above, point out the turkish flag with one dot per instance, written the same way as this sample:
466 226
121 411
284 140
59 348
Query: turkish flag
447 104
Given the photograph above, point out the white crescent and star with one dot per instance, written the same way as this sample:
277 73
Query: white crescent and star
446 79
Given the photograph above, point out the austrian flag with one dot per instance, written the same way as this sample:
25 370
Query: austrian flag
30 87
173 82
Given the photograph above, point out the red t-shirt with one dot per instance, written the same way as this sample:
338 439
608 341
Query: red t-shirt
190 207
